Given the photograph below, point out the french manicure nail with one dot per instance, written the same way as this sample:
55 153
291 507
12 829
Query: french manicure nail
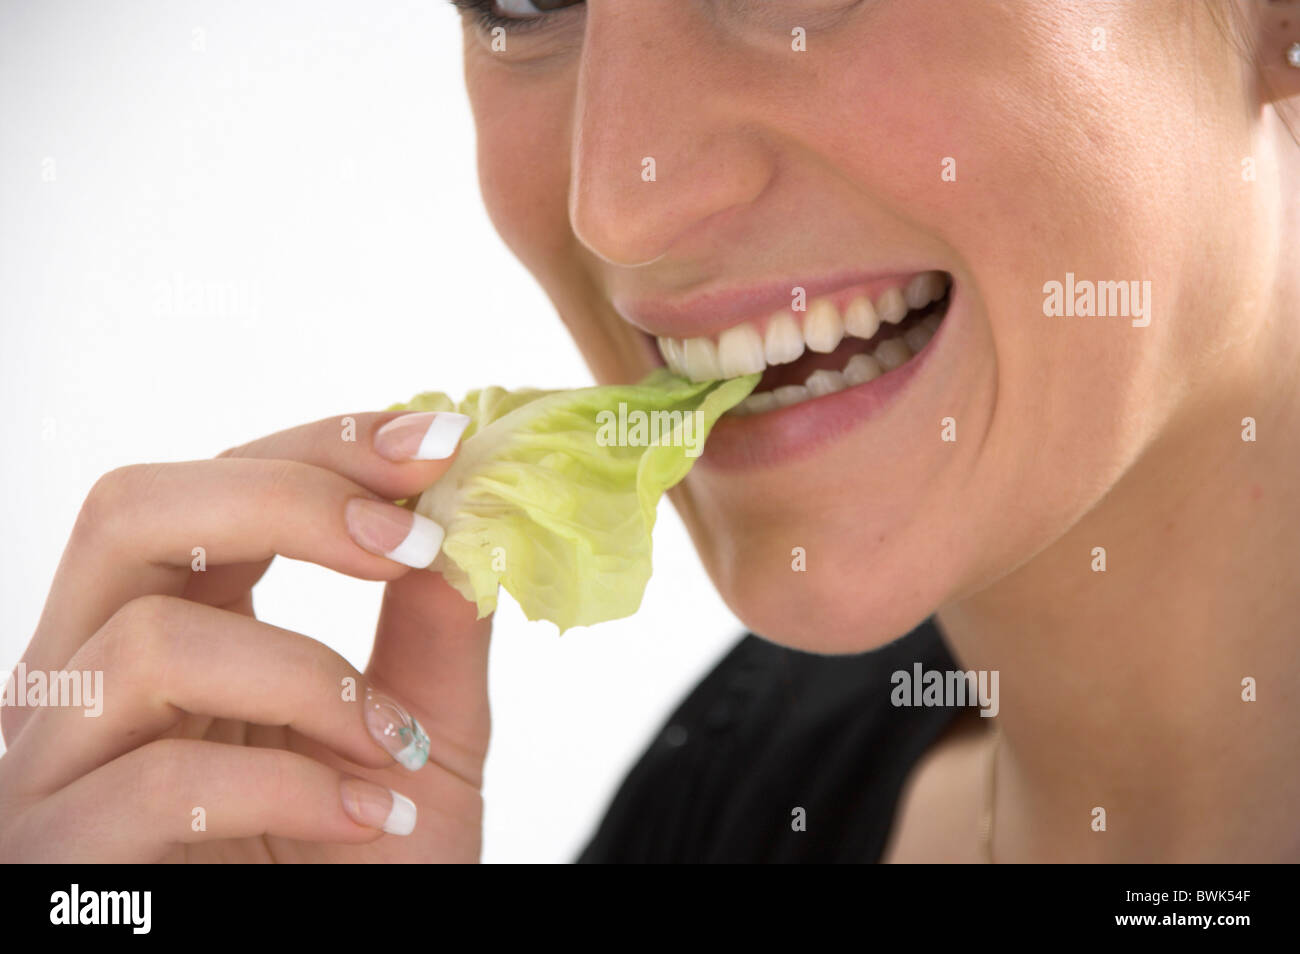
424 435
377 807
396 730
402 535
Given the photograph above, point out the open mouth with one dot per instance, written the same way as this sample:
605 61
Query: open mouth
842 340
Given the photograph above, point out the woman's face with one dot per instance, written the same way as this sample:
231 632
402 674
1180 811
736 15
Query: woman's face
1008 145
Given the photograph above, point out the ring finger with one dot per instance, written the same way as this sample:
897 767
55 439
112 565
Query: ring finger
163 658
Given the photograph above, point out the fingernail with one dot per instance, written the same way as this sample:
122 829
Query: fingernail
396 730
377 807
402 535
425 435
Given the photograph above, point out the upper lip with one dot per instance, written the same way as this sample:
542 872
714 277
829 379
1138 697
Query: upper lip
709 312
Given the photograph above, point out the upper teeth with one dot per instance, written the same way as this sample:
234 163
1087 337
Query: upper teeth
742 349
861 368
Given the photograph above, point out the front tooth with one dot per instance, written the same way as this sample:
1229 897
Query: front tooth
923 289
823 382
861 369
916 337
759 403
740 351
892 353
700 359
822 328
891 306
860 318
782 343
671 349
790 394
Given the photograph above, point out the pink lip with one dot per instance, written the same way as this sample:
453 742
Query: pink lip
709 313
771 438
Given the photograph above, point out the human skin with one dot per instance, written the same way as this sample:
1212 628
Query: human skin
208 708
1120 689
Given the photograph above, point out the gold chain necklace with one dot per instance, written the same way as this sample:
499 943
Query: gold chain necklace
990 799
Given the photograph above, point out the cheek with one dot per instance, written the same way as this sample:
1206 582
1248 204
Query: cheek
524 135
1050 178
1001 136
1059 167
523 152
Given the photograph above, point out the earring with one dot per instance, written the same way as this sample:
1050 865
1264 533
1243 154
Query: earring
1293 55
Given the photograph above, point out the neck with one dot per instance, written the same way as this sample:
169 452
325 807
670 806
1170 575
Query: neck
1124 689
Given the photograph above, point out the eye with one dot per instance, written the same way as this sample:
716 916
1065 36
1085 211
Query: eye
512 14
532 8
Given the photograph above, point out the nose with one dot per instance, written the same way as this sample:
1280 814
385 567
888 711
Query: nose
663 147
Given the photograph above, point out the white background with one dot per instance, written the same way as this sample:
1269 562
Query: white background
222 219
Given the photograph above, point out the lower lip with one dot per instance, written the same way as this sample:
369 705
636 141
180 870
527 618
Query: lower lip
774 437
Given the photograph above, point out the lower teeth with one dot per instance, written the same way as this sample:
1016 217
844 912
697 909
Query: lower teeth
861 368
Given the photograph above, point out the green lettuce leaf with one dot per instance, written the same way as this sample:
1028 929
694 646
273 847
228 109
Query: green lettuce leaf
553 494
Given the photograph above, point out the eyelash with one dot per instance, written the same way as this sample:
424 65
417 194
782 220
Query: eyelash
486 19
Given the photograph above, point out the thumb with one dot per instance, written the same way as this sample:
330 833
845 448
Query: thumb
431 653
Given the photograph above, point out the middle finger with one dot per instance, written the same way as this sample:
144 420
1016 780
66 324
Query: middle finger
140 527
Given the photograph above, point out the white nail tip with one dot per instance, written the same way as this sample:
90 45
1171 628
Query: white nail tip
443 435
421 545
401 818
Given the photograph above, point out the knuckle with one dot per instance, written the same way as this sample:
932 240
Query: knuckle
239 450
162 765
111 497
136 639
284 477
275 769
281 487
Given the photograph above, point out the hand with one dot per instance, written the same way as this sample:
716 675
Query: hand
206 707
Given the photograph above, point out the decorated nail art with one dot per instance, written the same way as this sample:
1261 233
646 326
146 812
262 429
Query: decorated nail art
396 730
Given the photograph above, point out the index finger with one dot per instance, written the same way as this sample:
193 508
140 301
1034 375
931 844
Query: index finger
391 453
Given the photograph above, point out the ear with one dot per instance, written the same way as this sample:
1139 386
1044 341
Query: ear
1277 29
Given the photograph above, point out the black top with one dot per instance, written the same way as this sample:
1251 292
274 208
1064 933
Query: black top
769 730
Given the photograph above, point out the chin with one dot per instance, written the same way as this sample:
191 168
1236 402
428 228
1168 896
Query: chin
839 607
